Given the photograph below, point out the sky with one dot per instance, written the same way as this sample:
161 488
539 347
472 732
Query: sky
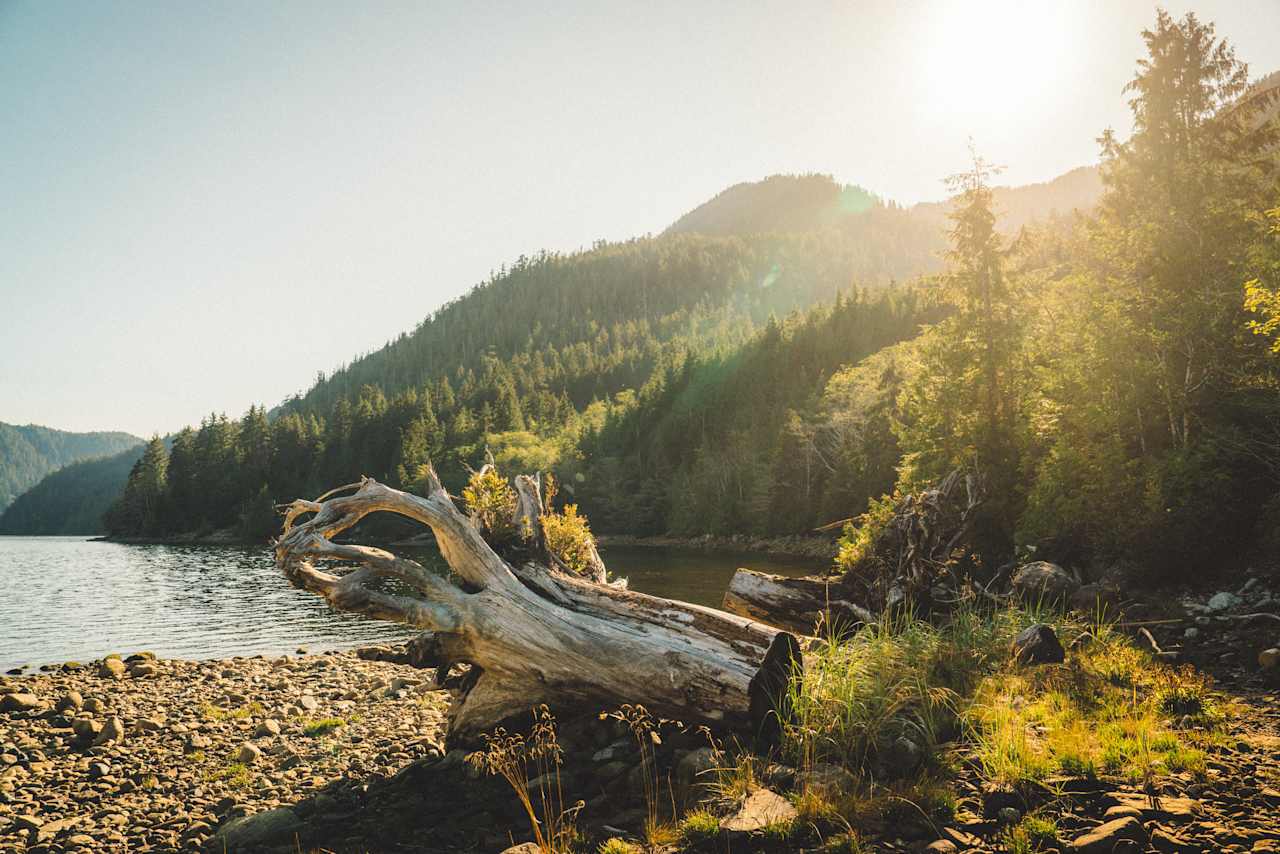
204 204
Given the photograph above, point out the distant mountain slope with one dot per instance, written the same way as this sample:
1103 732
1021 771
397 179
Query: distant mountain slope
594 322
1077 190
805 203
525 360
28 453
72 499
779 203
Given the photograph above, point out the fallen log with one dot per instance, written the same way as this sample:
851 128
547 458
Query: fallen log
804 606
533 633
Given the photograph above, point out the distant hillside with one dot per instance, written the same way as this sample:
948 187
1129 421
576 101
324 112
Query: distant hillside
779 203
530 361
1077 190
806 203
72 499
28 453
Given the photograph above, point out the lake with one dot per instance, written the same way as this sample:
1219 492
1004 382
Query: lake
69 598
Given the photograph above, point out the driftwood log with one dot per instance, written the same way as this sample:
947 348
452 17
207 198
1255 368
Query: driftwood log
534 633
800 605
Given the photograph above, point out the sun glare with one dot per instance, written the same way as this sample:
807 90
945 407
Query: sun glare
991 60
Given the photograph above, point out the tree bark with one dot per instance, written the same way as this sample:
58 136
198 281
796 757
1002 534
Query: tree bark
805 606
534 633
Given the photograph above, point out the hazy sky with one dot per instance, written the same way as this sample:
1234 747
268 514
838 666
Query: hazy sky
202 204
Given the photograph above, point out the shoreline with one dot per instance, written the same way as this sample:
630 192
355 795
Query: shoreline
797 547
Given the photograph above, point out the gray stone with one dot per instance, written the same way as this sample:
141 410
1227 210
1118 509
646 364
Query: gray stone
71 702
1104 838
267 728
828 781
694 773
251 832
1223 601
1038 644
1041 581
761 809
112 731
19 702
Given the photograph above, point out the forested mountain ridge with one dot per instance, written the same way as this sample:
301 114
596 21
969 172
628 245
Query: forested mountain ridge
592 322
29 452
779 203
72 499
549 352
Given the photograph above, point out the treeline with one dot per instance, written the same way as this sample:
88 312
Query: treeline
1111 378
230 474
29 452
72 499
592 322
760 440
1112 384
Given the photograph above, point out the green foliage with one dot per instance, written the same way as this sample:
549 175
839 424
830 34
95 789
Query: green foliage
491 502
28 453
322 726
71 500
569 538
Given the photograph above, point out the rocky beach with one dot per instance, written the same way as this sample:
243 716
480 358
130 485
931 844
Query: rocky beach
344 752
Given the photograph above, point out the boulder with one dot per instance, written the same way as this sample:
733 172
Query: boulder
1041 581
694 774
143 669
112 731
267 728
1093 599
901 758
826 780
1105 838
19 702
71 702
761 809
1224 601
252 832
1038 644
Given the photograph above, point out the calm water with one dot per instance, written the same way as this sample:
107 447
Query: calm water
67 598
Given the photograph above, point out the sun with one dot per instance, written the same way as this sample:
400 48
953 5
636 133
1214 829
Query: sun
989 58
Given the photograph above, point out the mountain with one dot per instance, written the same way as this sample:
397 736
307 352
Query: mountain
72 499
616 366
28 453
1077 190
779 203
596 320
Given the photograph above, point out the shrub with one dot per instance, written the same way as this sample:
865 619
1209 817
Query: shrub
491 502
569 539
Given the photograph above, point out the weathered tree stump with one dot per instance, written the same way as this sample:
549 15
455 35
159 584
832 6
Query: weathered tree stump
533 633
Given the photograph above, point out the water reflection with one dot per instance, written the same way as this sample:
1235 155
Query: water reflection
72 599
